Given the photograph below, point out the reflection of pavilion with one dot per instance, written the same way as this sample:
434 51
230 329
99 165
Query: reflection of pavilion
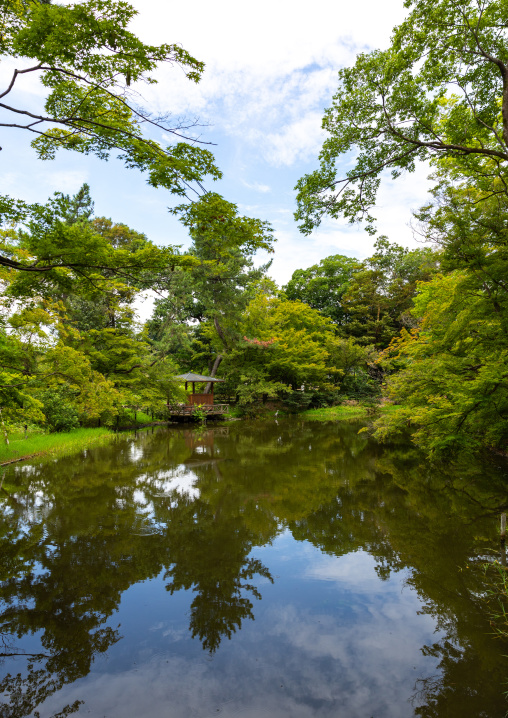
202 401
204 439
201 444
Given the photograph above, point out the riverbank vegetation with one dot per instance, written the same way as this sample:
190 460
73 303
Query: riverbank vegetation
427 327
52 445
352 410
436 94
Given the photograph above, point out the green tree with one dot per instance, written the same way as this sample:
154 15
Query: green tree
453 384
454 362
81 353
323 286
285 344
380 295
52 251
89 63
439 91
221 283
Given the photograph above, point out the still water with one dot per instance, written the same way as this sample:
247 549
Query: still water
287 569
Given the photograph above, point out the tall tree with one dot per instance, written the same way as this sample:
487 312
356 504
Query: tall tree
453 381
323 285
379 297
439 91
221 283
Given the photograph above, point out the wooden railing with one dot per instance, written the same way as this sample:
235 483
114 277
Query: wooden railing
188 409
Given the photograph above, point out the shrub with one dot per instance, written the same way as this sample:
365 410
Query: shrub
58 409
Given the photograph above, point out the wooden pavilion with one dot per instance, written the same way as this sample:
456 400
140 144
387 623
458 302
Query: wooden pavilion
205 402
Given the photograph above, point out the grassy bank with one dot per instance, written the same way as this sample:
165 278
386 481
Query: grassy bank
52 444
129 419
337 413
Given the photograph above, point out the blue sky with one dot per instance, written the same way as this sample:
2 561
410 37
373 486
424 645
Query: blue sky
271 69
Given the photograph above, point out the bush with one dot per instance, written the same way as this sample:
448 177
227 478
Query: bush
360 385
60 414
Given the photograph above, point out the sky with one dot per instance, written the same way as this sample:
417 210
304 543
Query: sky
271 70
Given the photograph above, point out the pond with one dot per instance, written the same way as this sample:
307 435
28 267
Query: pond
279 568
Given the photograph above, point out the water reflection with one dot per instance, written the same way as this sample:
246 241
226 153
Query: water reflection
203 512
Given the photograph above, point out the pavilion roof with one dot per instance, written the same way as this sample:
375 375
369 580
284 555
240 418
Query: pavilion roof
196 377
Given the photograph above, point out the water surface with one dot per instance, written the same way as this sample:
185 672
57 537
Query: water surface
287 569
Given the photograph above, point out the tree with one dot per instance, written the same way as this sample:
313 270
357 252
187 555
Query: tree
380 295
222 280
51 250
285 344
440 91
89 63
453 384
454 362
74 352
323 286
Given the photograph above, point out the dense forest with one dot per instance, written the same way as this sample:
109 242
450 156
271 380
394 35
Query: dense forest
426 328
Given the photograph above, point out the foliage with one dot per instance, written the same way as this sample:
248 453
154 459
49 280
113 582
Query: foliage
438 92
199 413
323 286
380 295
70 349
60 414
219 287
497 598
89 64
453 384
289 338
53 252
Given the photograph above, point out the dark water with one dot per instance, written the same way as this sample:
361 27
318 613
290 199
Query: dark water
283 569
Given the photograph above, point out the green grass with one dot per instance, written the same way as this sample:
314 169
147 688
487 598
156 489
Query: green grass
337 413
141 418
53 444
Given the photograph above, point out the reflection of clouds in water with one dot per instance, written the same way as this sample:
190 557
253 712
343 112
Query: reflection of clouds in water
174 634
295 664
354 570
183 483
178 480
28 469
135 452
179 689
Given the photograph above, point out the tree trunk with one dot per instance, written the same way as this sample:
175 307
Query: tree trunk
220 333
216 364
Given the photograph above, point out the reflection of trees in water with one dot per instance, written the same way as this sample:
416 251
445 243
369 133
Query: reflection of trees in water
27 691
54 585
64 577
210 555
439 526
102 525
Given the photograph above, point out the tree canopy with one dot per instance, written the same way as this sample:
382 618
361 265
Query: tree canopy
92 66
440 91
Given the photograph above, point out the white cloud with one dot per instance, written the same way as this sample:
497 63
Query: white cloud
270 70
257 186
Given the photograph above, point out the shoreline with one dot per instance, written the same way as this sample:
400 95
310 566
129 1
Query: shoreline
341 412
59 444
